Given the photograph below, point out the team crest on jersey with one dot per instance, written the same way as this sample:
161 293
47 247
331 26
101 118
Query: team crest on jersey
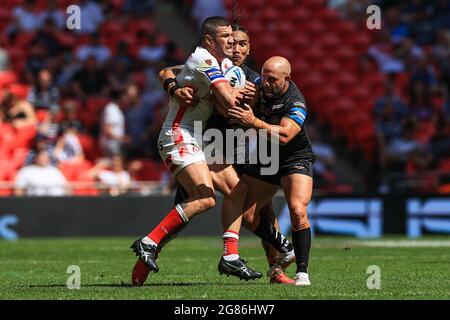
208 62
195 149
277 106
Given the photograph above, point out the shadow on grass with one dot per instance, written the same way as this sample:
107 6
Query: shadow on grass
161 284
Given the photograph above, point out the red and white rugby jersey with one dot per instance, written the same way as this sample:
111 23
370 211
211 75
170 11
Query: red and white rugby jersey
200 72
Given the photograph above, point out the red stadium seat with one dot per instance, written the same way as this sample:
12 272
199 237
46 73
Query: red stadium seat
141 25
346 81
250 5
270 14
19 90
314 4
67 39
299 42
360 42
375 82
285 29
96 104
341 115
313 28
24 39
444 165
314 54
329 41
42 114
18 157
7 78
300 67
140 79
328 16
297 14
24 136
254 27
282 4
345 28
111 28
90 147
330 69
148 170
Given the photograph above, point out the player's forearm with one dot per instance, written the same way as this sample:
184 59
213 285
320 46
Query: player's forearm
273 130
168 73
229 100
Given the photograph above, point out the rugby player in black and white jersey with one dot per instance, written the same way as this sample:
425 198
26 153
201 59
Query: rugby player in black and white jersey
279 251
282 111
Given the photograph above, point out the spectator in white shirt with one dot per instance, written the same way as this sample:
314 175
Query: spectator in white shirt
112 129
68 147
117 179
112 174
40 179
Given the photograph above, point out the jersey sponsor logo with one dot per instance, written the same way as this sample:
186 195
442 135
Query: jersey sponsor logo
277 106
213 74
297 113
299 104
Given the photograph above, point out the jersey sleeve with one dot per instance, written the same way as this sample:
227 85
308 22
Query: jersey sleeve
297 113
209 71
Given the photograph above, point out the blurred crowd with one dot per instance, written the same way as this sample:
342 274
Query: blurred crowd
412 115
83 105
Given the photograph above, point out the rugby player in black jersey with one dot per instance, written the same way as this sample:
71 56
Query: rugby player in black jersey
282 111
279 251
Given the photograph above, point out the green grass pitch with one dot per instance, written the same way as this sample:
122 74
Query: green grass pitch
37 269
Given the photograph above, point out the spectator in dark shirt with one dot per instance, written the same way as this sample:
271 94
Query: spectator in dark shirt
90 79
48 39
44 95
420 106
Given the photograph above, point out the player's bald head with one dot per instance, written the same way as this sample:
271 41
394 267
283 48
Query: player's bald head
277 64
275 76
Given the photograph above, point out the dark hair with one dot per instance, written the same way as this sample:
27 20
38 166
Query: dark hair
210 25
238 27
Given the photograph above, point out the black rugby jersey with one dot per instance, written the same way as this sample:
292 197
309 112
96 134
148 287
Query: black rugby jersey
216 120
292 105
251 75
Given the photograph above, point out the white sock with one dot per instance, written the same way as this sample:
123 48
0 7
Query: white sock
231 257
147 240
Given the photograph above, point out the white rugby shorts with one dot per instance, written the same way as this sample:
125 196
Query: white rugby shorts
178 149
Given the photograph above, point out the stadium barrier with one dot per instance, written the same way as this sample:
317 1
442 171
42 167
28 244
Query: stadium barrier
368 216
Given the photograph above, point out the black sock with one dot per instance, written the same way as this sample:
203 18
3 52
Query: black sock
180 196
267 232
302 244
171 235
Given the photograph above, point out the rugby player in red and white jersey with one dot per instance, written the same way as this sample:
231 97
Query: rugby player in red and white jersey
183 155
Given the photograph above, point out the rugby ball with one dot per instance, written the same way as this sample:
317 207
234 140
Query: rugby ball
236 76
